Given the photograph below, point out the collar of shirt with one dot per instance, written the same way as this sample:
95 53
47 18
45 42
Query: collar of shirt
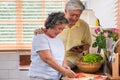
76 25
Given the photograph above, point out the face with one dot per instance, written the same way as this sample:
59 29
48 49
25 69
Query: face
53 32
73 16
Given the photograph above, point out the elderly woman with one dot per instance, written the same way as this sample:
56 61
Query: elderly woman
48 54
76 36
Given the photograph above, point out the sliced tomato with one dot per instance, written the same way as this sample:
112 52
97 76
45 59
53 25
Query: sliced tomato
79 75
80 59
98 76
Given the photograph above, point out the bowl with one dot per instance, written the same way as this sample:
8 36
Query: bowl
88 67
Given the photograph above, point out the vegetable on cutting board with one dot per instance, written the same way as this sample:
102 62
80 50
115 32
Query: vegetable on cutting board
79 75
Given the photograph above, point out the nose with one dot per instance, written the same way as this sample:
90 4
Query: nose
60 31
75 18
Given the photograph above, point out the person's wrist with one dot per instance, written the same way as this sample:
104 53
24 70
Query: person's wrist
64 72
66 67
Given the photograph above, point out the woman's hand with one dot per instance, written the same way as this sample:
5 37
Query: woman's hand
66 67
39 31
69 73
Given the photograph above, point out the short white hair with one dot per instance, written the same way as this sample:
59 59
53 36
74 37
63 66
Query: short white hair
74 4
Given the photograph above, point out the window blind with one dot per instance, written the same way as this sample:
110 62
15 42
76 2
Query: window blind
19 19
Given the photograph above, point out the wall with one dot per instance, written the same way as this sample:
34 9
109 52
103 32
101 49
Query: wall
9 67
105 11
118 21
118 14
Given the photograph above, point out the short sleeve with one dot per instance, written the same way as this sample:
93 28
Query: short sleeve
40 42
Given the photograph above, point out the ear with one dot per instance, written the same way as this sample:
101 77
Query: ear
65 11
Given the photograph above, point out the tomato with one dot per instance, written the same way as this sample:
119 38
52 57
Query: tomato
79 75
80 59
98 76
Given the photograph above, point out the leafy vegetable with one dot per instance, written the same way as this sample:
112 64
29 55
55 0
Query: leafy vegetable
92 58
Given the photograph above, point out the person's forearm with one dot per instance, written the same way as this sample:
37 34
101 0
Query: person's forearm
65 64
60 68
55 65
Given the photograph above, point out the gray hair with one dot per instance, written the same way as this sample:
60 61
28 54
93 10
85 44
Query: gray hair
74 4
54 19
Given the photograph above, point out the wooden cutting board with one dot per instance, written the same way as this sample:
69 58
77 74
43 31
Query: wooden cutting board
87 77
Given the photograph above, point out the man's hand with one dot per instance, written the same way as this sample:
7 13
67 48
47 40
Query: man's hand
76 49
80 48
39 31
86 47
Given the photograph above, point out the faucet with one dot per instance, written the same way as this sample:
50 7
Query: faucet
111 57
115 45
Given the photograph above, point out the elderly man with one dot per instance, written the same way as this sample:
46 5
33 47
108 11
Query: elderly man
76 33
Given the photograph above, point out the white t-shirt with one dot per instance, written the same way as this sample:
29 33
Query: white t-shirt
38 67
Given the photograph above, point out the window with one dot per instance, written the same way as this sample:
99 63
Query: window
19 19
